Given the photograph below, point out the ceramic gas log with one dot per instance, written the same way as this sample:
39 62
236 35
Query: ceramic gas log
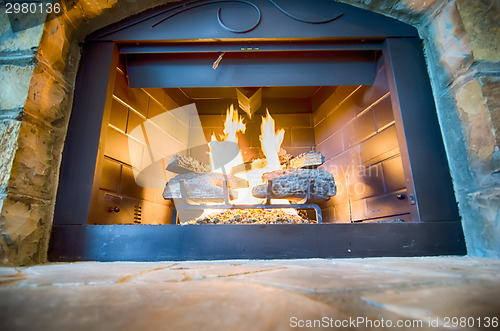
293 184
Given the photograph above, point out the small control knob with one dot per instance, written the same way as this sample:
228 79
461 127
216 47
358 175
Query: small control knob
115 209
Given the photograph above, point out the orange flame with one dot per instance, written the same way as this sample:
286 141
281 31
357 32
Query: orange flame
232 125
271 145
271 142
219 149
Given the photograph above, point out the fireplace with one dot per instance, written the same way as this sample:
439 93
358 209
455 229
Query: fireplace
341 82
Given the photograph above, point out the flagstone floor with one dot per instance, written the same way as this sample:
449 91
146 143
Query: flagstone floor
427 293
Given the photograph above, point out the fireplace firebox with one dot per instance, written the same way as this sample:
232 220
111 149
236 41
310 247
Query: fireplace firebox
345 85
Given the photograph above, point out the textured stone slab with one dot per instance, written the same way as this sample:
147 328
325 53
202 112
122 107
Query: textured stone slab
184 164
292 184
9 131
478 18
450 36
180 304
475 306
491 91
14 93
203 187
18 40
248 294
307 160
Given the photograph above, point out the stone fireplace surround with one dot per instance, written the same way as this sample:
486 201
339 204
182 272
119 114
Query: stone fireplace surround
461 45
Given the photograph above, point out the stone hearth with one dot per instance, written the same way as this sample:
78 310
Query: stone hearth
38 69
252 295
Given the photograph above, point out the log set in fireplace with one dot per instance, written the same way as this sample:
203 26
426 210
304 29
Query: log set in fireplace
346 87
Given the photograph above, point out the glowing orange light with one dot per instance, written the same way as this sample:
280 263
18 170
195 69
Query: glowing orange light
270 143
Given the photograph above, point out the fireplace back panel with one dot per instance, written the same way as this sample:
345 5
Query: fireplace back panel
351 125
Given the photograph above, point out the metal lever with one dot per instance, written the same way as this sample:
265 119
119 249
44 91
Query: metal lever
269 191
184 196
225 191
216 63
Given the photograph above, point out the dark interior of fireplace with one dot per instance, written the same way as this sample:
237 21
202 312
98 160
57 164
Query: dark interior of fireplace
352 126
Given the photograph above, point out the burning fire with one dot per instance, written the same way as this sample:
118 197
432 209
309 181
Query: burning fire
225 154
232 125
271 142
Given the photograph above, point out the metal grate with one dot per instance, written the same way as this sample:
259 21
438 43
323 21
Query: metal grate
188 204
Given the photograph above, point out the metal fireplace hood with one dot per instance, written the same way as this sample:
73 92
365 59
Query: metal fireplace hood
296 67
262 43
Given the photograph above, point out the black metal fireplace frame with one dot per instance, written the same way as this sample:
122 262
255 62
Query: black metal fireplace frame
435 229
